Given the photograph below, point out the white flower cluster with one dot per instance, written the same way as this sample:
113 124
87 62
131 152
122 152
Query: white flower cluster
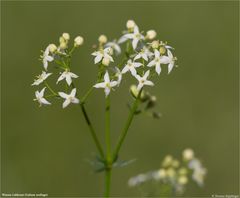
60 56
144 57
174 172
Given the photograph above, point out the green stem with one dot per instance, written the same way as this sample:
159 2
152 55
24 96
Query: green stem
94 136
108 182
107 130
84 98
126 127
50 89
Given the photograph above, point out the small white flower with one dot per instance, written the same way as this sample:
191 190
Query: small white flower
130 66
199 172
157 61
41 78
171 60
114 45
136 36
99 55
188 154
144 53
143 80
69 98
68 76
40 98
107 84
46 58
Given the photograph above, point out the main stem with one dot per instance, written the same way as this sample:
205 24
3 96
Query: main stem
126 127
108 147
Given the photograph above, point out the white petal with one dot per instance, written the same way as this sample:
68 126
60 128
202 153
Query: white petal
73 92
44 101
134 43
137 64
140 85
145 57
170 55
107 91
170 67
45 64
139 78
158 68
106 77
113 83
136 29
152 63
66 103
165 59
73 75
75 100
68 79
156 53
49 58
137 57
125 69
61 77
148 82
98 58
63 95
133 71
118 49
146 74
128 36
42 92
122 39
100 85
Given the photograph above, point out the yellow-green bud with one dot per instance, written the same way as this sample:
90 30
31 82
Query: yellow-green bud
155 44
102 39
162 50
78 41
182 180
170 172
167 161
66 36
175 163
63 45
61 40
182 171
134 92
106 61
52 48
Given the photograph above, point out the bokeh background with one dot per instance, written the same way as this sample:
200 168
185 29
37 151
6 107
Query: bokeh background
46 149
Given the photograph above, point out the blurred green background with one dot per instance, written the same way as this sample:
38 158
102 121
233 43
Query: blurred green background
46 149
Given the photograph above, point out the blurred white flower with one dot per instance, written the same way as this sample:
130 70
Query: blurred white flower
99 55
136 36
41 78
118 74
144 53
143 80
40 97
188 154
68 76
52 48
130 66
46 58
157 61
114 45
171 61
151 34
107 84
69 98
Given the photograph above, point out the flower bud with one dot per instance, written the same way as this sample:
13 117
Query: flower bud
175 163
78 41
151 34
63 45
130 24
155 44
162 50
61 40
167 161
106 61
134 92
182 180
161 173
188 154
171 172
182 171
66 36
102 39
152 102
52 48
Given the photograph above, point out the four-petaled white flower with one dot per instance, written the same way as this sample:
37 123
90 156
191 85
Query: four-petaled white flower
144 53
40 97
130 66
136 36
69 98
157 61
107 84
46 58
114 45
103 54
171 60
143 81
68 76
41 78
